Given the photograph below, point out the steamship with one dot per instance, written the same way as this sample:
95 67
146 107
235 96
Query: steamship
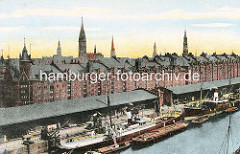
208 106
84 143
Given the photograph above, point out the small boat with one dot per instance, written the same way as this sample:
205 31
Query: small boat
156 134
231 109
237 151
200 120
113 148
92 152
207 107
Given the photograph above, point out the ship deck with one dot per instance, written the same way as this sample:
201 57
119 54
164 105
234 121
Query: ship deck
86 142
82 143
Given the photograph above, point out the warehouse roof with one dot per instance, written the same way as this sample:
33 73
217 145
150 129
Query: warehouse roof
205 85
20 114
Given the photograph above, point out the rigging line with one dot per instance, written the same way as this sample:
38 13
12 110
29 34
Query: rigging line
228 134
226 138
222 144
231 133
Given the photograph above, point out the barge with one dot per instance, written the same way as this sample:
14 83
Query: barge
231 109
158 133
200 120
208 107
113 148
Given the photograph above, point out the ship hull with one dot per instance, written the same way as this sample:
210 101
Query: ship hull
112 149
200 120
122 139
158 134
201 111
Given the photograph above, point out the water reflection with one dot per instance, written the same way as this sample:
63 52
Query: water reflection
204 139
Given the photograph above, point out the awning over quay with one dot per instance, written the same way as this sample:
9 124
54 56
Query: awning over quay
178 90
20 114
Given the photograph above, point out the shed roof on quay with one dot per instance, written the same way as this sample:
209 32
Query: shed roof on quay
178 90
21 114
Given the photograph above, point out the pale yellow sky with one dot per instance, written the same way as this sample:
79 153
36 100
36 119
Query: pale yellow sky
133 46
136 25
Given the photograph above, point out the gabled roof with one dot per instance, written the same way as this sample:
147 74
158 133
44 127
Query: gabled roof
181 61
36 69
20 114
211 58
75 68
205 86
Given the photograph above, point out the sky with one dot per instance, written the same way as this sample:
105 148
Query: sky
211 25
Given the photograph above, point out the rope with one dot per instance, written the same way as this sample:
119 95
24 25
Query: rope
227 137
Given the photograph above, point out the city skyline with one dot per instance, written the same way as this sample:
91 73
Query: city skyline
211 26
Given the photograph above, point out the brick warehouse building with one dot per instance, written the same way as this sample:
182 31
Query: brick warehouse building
21 85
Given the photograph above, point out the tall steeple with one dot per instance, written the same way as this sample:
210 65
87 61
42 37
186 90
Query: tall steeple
7 73
2 55
25 55
154 50
185 44
95 49
2 59
24 64
82 53
59 50
24 41
113 54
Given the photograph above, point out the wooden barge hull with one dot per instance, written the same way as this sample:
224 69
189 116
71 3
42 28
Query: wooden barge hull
200 120
159 133
231 110
237 151
196 112
126 138
112 149
200 112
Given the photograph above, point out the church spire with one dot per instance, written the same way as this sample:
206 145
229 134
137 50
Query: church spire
113 54
185 44
82 51
2 54
59 50
2 59
7 73
154 50
95 49
25 55
82 31
112 48
24 42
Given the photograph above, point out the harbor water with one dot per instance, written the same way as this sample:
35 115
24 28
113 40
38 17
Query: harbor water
207 138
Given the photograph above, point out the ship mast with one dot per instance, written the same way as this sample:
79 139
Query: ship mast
228 133
200 100
110 116
227 138
159 97
108 105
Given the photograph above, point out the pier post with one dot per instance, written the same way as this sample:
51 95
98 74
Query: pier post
200 100
160 99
